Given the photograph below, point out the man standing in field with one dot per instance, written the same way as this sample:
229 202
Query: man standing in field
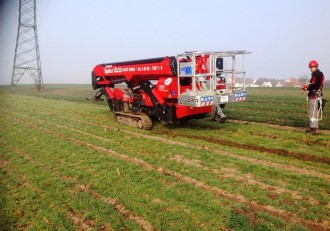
314 96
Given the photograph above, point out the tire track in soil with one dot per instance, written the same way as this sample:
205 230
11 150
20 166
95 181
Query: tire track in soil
77 219
274 190
211 127
246 179
120 208
282 127
307 142
281 152
219 193
265 163
80 222
290 168
22 182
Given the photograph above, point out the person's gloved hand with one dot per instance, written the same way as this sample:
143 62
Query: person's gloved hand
304 88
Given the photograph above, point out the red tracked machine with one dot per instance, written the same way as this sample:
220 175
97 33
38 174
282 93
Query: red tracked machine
171 89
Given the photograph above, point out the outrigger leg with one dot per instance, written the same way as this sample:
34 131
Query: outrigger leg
97 96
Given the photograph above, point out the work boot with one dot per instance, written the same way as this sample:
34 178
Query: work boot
223 119
312 131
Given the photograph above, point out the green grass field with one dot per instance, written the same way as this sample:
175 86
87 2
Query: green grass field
65 164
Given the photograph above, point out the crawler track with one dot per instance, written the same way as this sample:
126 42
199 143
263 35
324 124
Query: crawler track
141 121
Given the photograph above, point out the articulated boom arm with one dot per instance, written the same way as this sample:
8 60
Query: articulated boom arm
133 71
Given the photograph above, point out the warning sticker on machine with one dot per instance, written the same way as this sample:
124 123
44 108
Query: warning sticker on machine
240 94
224 99
207 98
187 101
110 69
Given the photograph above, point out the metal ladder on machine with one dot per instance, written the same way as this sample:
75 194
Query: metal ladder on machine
203 70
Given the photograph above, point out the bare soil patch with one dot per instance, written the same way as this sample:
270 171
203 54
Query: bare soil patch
80 222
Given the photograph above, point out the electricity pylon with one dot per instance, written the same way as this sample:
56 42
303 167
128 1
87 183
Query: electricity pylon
27 56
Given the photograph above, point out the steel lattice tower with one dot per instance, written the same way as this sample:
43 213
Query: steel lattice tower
27 56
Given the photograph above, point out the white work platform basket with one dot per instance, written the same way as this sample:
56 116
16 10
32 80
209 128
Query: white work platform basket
211 78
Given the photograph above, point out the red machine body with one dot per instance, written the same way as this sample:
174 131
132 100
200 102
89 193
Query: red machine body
139 90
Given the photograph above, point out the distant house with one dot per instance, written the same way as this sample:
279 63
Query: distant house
239 81
293 82
279 84
238 85
266 84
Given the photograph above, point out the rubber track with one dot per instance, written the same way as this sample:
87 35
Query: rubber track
146 121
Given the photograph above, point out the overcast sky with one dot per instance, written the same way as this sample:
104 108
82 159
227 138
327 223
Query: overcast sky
75 35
